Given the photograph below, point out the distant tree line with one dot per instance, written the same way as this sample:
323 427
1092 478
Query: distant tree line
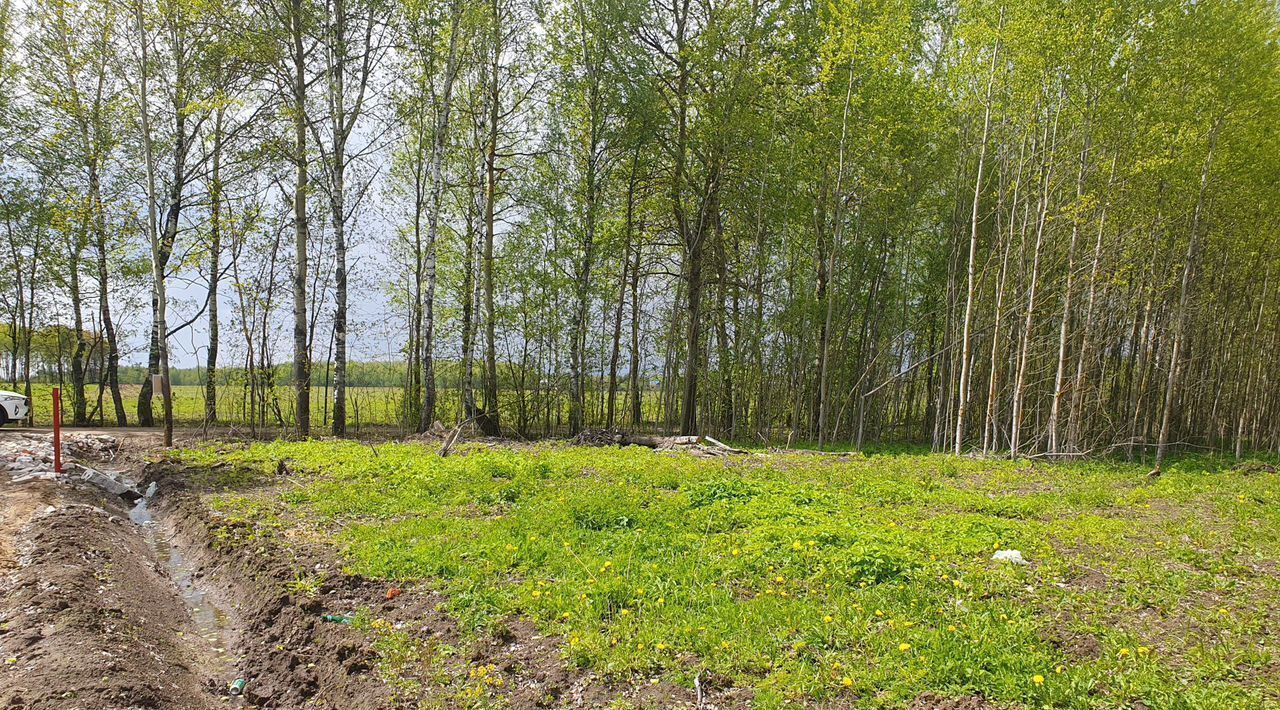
1024 226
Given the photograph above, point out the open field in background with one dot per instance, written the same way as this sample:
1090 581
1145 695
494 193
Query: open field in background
366 406
373 405
864 580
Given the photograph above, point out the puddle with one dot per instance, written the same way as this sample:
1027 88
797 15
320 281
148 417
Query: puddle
212 621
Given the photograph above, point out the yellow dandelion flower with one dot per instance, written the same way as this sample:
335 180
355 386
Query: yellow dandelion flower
1124 653
736 552
1143 650
904 647
828 618
1060 669
724 645
951 627
797 546
662 647
846 681
1037 679
624 612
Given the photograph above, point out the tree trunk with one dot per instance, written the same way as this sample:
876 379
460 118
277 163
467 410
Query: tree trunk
215 267
962 407
438 143
488 420
1184 293
301 351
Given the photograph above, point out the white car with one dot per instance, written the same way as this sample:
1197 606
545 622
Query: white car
14 407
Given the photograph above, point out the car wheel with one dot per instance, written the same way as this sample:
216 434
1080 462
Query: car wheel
4 416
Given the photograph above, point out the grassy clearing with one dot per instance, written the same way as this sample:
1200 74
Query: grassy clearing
859 580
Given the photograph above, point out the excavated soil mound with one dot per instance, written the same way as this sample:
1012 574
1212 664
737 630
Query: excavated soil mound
87 620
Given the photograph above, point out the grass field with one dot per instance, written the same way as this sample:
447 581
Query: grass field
863 581
375 406
366 406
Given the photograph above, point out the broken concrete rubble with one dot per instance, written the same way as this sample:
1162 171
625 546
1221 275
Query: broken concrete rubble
27 457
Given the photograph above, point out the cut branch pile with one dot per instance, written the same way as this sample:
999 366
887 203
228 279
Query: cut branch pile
697 445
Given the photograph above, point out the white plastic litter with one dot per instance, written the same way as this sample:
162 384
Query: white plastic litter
1011 556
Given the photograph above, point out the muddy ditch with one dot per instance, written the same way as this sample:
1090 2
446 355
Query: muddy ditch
166 604
89 620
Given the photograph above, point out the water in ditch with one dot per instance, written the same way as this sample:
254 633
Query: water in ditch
211 621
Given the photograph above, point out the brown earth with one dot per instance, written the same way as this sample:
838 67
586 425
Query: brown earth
87 620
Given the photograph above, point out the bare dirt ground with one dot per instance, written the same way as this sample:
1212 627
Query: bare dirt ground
88 619
105 604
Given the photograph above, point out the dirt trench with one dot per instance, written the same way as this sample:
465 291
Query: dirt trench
165 604
107 605
88 618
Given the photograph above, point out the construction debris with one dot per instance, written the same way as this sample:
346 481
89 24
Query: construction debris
28 457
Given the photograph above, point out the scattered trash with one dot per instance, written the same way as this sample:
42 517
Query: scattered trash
392 593
1011 556
237 686
338 618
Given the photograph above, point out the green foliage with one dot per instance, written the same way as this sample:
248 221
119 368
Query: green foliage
864 579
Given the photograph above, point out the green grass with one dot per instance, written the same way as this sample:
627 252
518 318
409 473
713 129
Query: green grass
863 580
366 406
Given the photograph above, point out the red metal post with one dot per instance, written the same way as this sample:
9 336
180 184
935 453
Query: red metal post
57 430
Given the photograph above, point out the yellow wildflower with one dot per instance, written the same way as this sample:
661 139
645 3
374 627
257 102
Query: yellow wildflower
1037 679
